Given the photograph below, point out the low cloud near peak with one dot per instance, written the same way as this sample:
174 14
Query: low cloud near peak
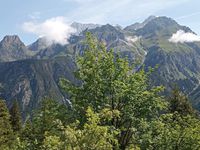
184 37
55 30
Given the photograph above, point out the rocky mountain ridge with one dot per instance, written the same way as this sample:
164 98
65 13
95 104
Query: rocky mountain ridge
29 73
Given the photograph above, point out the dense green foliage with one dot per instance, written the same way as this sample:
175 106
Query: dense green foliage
180 103
112 107
15 117
6 132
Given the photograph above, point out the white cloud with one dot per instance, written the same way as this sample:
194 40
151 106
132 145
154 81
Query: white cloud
181 37
56 30
132 39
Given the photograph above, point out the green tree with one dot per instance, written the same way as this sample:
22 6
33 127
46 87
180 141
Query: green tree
176 129
15 117
6 132
27 138
52 142
108 82
173 132
180 103
46 119
91 136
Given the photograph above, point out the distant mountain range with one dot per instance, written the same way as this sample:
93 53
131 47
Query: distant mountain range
29 73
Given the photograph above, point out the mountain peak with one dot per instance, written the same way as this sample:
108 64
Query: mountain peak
138 25
159 26
163 19
81 27
149 19
12 49
108 27
40 44
11 39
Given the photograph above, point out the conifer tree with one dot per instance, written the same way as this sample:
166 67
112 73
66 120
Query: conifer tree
27 136
15 118
180 103
6 132
45 119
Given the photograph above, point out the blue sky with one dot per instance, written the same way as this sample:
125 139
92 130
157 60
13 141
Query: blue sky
31 18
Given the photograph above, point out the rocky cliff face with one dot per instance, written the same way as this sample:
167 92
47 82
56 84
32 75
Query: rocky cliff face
32 80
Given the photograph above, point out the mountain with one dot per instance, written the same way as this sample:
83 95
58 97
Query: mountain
137 25
116 38
29 81
12 49
161 27
50 51
146 43
178 63
81 27
38 45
